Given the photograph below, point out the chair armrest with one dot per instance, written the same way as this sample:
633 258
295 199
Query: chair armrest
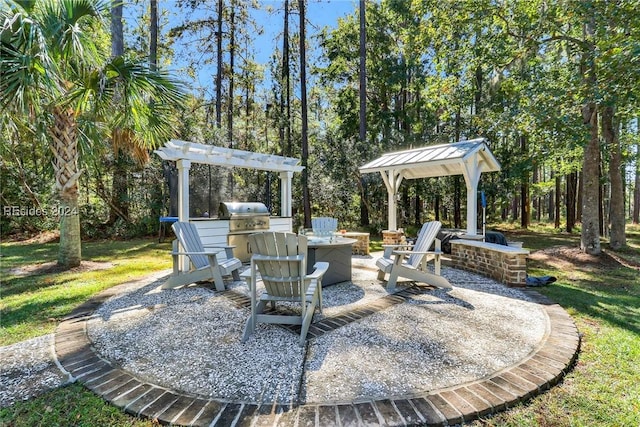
195 253
416 252
258 257
228 249
220 246
320 268
403 245
388 249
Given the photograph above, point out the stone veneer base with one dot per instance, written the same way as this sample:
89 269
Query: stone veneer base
505 264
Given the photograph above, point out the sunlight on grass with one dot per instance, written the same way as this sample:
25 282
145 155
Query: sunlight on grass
33 304
68 406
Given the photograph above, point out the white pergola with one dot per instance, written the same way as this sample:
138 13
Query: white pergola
184 153
467 158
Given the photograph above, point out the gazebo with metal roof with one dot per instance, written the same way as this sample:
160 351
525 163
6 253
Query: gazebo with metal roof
184 153
467 158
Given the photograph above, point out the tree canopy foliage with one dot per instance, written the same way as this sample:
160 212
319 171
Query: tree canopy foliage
553 86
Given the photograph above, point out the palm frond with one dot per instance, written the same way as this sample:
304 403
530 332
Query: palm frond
66 25
26 66
144 100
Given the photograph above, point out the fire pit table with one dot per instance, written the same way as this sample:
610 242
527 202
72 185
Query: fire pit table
337 252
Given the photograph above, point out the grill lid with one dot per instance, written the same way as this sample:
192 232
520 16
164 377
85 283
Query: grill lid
226 210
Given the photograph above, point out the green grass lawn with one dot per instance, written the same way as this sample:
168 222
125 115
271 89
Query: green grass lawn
32 302
602 389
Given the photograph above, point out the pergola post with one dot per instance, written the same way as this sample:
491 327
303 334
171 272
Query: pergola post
285 195
183 189
183 203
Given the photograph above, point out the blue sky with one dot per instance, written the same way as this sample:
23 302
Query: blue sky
320 13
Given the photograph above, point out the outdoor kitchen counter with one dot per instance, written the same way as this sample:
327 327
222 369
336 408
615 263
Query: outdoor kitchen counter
216 232
335 251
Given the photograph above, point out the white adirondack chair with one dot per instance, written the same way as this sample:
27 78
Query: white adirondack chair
324 226
204 259
280 260
410 261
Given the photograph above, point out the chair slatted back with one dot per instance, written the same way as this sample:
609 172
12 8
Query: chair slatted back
427 235
324 226
282 274
188 236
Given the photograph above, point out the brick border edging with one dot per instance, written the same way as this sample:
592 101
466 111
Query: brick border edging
541 370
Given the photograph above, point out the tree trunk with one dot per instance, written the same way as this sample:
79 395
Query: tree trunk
219 67
65 162
590 236
157 194
602 196
284 134
457 195
305 126
405 208
232 52
525 202
552 199
363 76
590 185
120 183
477 98
557 194
286 76
636 190
364 212
117 39
578 186
153 35
537 200
119 205
617 239
570 199
525 205
364 207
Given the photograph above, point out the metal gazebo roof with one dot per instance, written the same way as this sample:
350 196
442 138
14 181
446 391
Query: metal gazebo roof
436 160
468 158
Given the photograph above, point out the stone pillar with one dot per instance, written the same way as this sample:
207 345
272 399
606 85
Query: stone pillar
391 237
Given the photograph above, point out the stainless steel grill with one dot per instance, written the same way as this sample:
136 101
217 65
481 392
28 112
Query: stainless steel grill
244 219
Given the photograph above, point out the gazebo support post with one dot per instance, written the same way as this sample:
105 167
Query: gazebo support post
471 173
392 181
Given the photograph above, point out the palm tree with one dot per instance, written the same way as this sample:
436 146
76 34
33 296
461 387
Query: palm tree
54 70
